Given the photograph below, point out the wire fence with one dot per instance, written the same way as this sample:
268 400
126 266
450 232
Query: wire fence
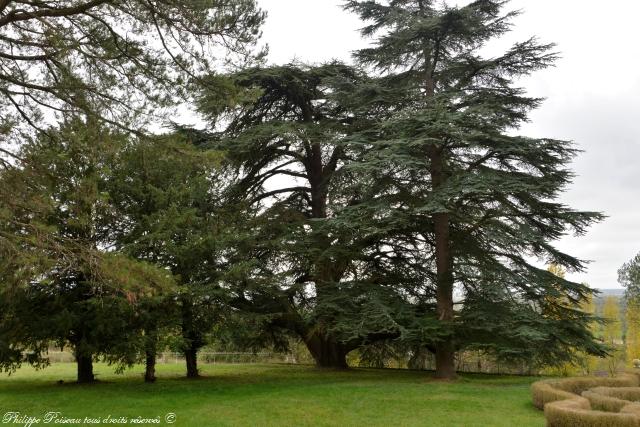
204 357
465 362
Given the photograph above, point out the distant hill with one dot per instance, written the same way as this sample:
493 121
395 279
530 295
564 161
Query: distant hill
611 292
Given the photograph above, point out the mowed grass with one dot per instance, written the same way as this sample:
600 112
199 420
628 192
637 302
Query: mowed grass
275 395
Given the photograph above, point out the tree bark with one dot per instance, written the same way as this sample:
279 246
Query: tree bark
445 349
85 369
150 367
192 337
326 352
150 356
191 358
445 359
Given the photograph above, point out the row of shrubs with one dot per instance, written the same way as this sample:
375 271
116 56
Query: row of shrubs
589 402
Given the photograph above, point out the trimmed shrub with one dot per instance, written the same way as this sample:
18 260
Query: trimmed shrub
578 385
547 391
625 393
544 392
589 401
577 413
604 402
632 408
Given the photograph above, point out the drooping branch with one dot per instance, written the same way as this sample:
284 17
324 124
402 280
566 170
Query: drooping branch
24 15
279 191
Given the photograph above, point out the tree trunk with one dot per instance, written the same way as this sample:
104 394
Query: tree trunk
445 359
191 357
150 367
445 350
192 336
326 352
150 355
85 369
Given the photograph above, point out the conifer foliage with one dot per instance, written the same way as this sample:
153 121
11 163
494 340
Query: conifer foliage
386 206
117 60
483 197
60 283
286 141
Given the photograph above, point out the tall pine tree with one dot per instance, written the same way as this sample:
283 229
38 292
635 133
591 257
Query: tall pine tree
320 274
481 197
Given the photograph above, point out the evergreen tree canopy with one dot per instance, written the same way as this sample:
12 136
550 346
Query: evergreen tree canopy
166 198
61 282
116 59
387 206
483 198
322 276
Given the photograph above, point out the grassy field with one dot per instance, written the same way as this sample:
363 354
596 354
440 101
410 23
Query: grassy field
272 395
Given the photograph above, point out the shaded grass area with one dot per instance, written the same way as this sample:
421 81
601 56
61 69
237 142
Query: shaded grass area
275 395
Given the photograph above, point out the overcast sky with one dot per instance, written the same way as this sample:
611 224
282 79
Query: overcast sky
593 99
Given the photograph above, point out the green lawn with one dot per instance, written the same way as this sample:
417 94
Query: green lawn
275 395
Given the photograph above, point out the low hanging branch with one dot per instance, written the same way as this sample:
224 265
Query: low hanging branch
99 57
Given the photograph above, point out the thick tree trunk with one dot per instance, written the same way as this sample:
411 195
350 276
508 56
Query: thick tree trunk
85 369
445 349
150 367
326 352
150 355
191 358
445 359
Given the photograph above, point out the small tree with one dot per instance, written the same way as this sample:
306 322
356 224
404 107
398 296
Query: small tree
629 277
588 362
632 335
612 333
166 211
56 277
